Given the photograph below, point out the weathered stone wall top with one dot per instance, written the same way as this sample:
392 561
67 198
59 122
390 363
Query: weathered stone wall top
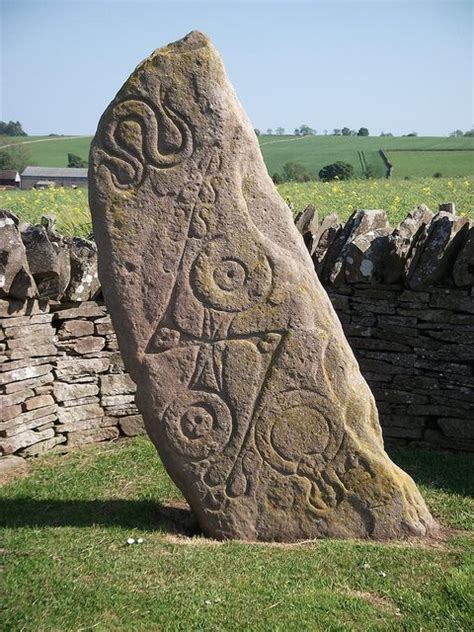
423 251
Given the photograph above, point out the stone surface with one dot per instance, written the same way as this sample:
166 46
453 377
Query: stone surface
15 275
463 268
48 258
246 382
84 282
327 232
308 224
439 250
365 256
359 224
403 242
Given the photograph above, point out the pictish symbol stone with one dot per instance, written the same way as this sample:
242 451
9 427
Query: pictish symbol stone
245 380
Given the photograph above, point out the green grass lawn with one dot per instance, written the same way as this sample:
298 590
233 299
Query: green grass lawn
66 564
314 152
426 163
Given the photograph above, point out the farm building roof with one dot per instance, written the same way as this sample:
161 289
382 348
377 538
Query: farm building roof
55 172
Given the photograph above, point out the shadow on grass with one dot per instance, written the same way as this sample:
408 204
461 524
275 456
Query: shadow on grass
133 514
446 471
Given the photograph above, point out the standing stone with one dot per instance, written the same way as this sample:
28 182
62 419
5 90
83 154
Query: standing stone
246 382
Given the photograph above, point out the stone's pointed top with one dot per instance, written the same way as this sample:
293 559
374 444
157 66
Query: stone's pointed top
192 41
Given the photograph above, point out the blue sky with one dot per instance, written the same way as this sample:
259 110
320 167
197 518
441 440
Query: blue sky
393 66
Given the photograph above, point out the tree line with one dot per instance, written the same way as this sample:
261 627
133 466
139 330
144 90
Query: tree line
12 128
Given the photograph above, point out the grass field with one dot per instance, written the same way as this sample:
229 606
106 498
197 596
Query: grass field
425 163
66 564
450 156
397 197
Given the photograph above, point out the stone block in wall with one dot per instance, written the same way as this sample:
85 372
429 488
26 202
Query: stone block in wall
66 367
84 283
457 428
116 384
84 310
365 256
361 222
132 426
27 420
103 326
327 232
17 397
48 259
22 440
95 435
16 280
440 248
82 346
24 373
77 413
43 446
403 242
65 392
452 301
40 401
121 411
34 383
14 308
463 268
75 329
404 433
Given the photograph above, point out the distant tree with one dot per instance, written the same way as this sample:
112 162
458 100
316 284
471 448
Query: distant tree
12 128
257 131
280 131
363 131
15 157
386 134
469 133
353 132
277 178
325 132
336 132
75 161
413 134
437 174
296 172
269 131
457 133
338 170
345 131
297 131
306 130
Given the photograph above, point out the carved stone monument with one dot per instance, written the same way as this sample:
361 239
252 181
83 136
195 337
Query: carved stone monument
248 387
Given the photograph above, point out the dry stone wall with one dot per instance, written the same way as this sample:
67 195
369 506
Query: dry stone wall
62 382
404 296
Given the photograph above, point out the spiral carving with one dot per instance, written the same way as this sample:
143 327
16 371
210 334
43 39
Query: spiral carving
138 135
